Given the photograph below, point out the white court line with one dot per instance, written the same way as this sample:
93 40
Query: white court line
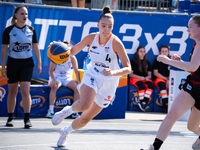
188 134
94 122
75 143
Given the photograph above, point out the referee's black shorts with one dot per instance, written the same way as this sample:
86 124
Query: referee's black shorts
19 70
194 91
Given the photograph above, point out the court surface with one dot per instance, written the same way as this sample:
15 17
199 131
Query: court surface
135 132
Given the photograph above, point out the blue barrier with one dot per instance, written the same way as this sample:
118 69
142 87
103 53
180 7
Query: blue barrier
39 99
64 97
3 100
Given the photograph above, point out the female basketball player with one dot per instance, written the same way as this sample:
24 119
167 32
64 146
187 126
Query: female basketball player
141 77
99 83
161 72
21 40
189 96
61 75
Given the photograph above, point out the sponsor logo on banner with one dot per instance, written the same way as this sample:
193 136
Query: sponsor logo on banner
2 93
159 100
63 101
36 100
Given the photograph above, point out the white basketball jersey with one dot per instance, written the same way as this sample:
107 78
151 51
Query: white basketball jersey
63 70
102 56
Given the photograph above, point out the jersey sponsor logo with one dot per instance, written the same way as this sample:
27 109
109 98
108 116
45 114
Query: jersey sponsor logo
110 99
94 52
21 47
62 72
94 47
2 93
106 49
195 83
92 81
99 64
189 87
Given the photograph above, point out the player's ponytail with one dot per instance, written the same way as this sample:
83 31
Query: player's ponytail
107 13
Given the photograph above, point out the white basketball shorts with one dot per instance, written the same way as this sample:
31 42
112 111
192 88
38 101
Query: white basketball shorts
105 89
63 81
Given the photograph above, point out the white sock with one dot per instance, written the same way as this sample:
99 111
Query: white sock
51 108
69 129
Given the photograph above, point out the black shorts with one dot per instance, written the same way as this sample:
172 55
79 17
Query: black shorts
194 92
19 70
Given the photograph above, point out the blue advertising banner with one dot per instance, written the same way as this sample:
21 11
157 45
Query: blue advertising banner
61 23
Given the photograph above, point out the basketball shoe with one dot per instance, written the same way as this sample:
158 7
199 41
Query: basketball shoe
49 114
61 115
196 145
151 147
62 141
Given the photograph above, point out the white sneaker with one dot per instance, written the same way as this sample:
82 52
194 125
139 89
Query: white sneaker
60 116
49 114
196 145
151 147
75 115
62 141
141 106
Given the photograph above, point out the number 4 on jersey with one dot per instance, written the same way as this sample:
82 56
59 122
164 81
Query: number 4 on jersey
108 58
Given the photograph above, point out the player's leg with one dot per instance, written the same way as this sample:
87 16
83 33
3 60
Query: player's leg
26 102
11 102
193 125
182 103
52 96
73 85
84 103
78 123
81 3
74 3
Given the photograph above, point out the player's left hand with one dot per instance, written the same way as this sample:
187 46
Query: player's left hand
163 58
107 72
39 69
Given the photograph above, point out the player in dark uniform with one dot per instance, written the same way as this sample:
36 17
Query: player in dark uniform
141 77
189 96
161 72
20 40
